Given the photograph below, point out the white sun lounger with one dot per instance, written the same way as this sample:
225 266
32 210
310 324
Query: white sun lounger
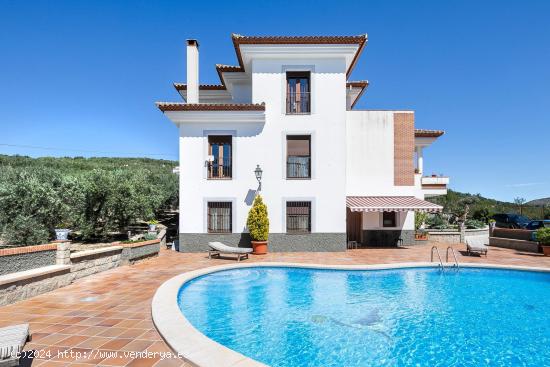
218 248
476 244
12 341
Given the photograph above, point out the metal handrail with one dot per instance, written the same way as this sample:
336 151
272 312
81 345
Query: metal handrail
438 255
454 255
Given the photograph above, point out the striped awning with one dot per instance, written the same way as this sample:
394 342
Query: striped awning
390 204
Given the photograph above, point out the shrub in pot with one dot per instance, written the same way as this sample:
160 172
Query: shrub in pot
258 226
153 224
62 231
543 238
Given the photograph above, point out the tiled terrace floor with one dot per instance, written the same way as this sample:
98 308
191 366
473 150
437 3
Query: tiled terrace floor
110 312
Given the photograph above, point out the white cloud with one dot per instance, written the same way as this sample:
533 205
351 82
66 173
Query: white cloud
526 184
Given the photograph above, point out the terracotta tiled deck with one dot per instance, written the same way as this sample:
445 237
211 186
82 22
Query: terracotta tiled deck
110 312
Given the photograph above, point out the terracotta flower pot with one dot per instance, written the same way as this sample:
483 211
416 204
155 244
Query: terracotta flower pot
546 250
259 247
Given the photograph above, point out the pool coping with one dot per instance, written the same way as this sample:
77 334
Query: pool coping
195 347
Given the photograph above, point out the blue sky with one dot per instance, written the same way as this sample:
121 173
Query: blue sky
82 76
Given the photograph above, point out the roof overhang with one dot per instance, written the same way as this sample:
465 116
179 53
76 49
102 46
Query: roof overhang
180 113
355 89
424 137
390 204
296 46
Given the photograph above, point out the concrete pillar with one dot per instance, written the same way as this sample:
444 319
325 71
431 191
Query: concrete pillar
192 71
63 255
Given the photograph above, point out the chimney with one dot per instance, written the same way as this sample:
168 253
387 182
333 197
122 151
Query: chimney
192 71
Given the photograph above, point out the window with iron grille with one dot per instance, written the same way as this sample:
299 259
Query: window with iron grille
219 148
298 93
298 156
298 216
219 217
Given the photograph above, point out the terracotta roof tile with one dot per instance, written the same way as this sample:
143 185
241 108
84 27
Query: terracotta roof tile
363 84
424 133
183 86
175 106
360 40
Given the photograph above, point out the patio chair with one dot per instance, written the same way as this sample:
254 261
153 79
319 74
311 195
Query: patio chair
218 248
476 244
12 341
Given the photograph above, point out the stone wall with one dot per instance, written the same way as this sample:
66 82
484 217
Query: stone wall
520 245
455 236
278 242
64 267
25 258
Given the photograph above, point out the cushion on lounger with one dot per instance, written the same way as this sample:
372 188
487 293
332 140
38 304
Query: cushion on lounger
12 340
218 246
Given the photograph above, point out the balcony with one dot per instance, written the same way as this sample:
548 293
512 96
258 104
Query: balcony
219 169
298 167
434 185
298 103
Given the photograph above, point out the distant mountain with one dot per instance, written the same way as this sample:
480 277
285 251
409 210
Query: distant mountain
539 202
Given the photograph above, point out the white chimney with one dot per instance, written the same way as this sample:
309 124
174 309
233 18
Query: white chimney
192 71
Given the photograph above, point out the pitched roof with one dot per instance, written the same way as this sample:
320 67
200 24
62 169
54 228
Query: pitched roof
183 86
363 84
173 106
424 133
238 40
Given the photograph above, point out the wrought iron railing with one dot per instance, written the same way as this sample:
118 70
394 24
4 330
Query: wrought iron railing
298 102
220 168
298 167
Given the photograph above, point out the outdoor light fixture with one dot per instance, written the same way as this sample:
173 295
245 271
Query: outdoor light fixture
258 172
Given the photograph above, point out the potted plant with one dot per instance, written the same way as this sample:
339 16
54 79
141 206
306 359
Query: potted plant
153 224
258 226
62 231
543 238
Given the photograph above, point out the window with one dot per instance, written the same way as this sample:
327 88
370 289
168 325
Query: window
219 151
297 93
298 156
220 217
298 216
389 219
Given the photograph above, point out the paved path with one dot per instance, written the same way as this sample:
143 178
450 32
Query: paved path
108 314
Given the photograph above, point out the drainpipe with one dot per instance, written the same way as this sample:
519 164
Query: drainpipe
192 71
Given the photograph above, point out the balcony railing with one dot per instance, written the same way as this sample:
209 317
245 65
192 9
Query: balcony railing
220 169
298 167
297 103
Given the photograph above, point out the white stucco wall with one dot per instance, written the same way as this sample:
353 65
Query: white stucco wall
370 155
265 144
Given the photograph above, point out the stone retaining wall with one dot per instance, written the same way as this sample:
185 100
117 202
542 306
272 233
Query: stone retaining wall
62 267
456 236
25 258
520 245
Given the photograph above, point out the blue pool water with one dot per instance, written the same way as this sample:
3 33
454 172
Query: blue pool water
405 317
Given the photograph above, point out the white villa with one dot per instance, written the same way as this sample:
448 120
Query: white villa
329 174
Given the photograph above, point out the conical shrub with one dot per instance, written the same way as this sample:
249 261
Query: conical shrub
258 221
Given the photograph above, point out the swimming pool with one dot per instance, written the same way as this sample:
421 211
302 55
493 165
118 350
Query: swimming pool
284 316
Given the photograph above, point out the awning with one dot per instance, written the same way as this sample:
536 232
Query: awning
390 204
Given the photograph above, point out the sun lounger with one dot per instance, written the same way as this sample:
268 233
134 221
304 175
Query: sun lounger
218 248
12 341
476 244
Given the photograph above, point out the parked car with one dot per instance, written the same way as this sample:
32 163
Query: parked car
510 221
536 224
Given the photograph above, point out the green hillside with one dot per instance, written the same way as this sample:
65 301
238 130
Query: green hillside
481 208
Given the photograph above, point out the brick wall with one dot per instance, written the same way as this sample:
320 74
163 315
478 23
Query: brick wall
403 137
